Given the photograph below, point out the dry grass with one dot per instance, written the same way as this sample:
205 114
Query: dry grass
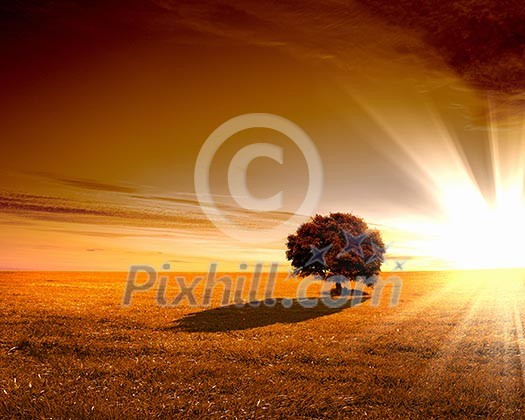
450 349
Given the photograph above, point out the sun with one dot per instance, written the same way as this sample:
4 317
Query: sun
477 216
477 235
483 243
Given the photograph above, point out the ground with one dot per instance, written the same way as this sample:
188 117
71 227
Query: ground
453 347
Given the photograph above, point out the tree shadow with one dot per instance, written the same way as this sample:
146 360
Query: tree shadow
264 313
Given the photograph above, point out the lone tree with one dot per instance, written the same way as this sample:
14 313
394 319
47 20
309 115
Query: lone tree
336 247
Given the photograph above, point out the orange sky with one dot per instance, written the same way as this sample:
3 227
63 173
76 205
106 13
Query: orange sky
105 109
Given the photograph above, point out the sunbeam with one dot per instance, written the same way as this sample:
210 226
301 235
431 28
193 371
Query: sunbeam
484 234
474 229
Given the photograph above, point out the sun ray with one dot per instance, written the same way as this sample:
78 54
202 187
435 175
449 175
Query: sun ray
471 230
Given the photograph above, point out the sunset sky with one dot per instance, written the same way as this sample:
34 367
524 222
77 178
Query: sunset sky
415 109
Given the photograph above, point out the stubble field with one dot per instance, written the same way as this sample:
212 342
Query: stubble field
453 347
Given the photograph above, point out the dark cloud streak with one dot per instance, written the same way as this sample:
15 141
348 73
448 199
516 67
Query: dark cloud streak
483 41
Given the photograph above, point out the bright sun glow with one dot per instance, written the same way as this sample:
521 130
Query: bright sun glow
473 231
482 235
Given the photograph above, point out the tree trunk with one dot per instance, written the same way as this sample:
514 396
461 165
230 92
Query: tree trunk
338 289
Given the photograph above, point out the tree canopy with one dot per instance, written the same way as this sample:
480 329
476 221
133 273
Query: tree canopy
339 244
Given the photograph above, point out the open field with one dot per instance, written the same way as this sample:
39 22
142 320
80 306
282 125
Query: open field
453 348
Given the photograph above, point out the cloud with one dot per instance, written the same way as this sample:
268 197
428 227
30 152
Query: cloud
174 200
96 186
27 203
39 207
183 214
483 41
87 184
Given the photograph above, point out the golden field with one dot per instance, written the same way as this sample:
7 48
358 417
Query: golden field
452 348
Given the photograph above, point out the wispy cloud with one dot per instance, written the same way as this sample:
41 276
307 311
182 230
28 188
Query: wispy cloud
33 204
94 202
87 184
